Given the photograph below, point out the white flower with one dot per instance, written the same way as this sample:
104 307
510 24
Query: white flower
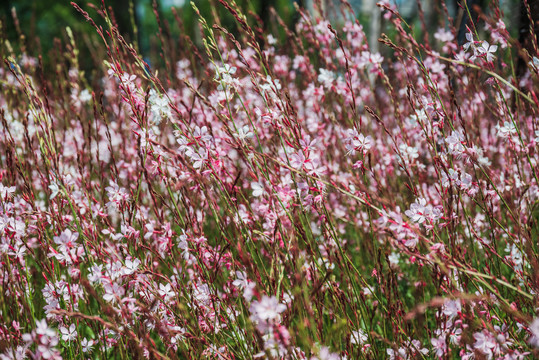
271 88
297 160
66 238
357 142
112 292
95 273
454 142
225 72
420 211
182 69
417 212
199 160
375 58
54 190
439 346
166 291
451 308
159 106
244 132
399 354
267 309
131 266
6 191
362 142
85 96
534 329
326 77
358 337
394 258
14 354
271 40
417 347
325 354
484 342
515 255
485 50
43 329
465 181
241 280
68 334
258 189
223 75
87 345
443 35
469 38
202 134
506 130
408 153
116 194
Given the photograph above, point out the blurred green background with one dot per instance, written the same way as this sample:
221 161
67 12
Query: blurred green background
42 23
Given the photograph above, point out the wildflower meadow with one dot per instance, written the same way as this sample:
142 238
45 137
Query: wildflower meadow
272 192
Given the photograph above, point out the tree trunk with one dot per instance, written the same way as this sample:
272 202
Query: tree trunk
465 19
527 36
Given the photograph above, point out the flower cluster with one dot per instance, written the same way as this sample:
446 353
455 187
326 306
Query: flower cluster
311 196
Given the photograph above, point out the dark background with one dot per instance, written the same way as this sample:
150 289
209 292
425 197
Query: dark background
42 23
